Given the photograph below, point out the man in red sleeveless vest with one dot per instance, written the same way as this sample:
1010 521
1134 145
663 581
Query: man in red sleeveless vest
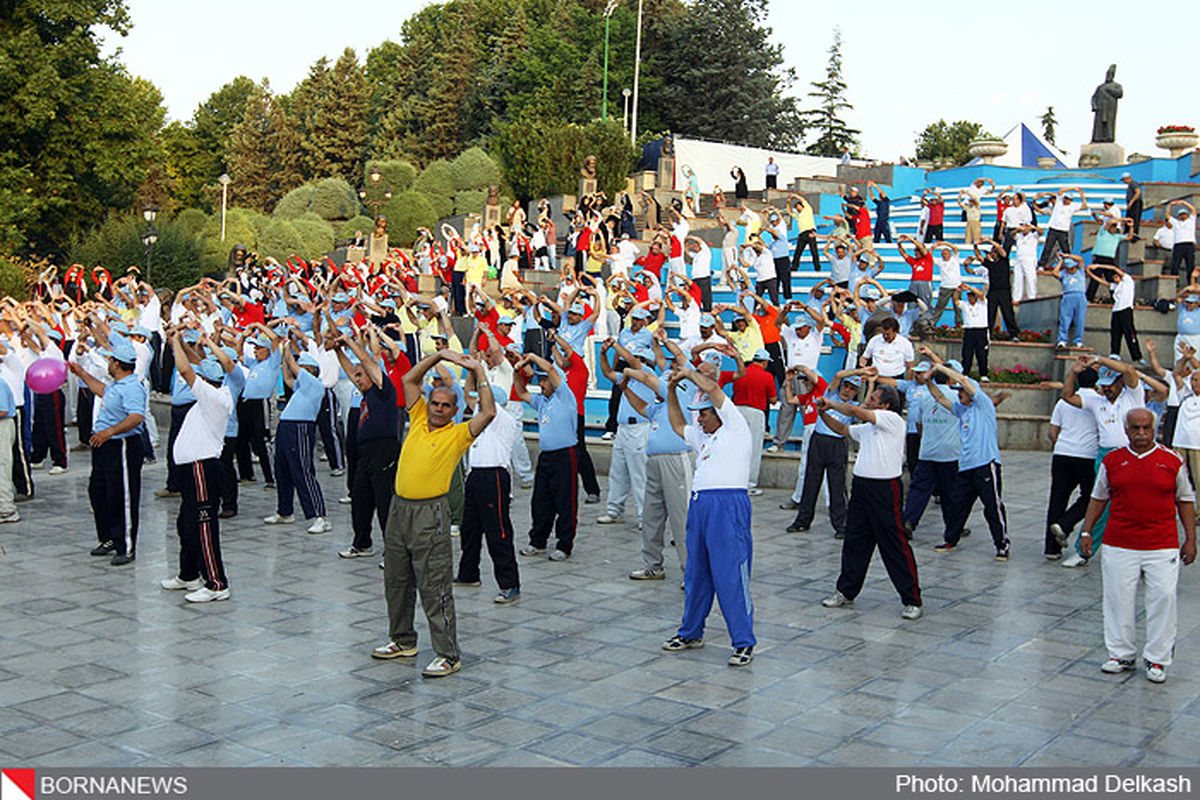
1146 486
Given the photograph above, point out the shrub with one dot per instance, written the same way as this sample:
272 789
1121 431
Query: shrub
406 212
346 230
192 220
474 169
333 199
470 201
316 237
17 274
280 239
395 173
437 184
295 202
543 157
117 244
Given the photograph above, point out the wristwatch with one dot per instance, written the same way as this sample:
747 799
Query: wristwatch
1085 533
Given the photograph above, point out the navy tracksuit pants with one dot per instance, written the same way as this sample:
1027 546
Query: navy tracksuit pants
198 523
930 478
295 474
115 491
981 482
719 552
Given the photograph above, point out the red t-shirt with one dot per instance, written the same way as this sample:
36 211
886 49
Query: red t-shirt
936 209
395 372
1141 509
862 224
755 389
653 262
584 242
250 313
676 248
577 379
922 266
806 401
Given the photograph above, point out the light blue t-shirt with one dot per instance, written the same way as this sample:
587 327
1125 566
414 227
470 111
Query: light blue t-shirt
263 377
977 431
627 338
1106 243
940 438
236 381
557 416
779 240
626 411
181 393
305 402
1073 282
837 416
663 438
1188 322
122 398
8 404
914 393
576 335
907 318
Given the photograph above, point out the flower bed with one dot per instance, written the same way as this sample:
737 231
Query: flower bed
1029 336
1019 375
1176 129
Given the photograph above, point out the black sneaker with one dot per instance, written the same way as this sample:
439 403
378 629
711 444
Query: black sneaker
908 530
741 656
104 549
1002 552
121 559
797 528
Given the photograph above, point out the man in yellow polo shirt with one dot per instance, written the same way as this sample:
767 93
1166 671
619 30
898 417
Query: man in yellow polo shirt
417 553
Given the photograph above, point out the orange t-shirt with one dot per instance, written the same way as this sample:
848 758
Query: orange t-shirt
766 324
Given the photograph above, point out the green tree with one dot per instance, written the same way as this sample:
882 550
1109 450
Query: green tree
834 135
264 153
728 81
331 105
942 141
406 212
1048 121
197 149
116 245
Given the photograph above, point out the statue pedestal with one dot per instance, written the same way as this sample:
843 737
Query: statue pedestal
491 216
587 186
666 172
1101 154
378 249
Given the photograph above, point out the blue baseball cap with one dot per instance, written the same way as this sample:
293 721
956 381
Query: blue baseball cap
389 303
1125 175
803 320
138 330
852 380
869 293
307 360
505 319
707 321
261 341
761 355
955 365
121 351
1107 376
229 351
577 308
1192 298
700 403
712 356
923 366
210 369
190 336
640 313
119 326
340 297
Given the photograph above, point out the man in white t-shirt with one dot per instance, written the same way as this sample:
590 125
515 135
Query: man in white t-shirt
701 256
719 542
1076 439
949 268
1062 210
876 499
1118 390
888 351
1025 263
1183 239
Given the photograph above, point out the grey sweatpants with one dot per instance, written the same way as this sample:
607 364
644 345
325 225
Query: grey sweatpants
417 556
668 486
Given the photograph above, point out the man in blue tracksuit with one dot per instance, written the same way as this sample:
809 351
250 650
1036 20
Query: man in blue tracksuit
719 543
294 440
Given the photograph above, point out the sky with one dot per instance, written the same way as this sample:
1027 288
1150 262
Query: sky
905 64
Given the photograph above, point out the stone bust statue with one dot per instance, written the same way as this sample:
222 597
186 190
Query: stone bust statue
1104 105
589 168
493 195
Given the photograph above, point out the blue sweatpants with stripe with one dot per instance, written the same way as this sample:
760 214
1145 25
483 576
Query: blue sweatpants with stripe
1072 311
719 548
294 470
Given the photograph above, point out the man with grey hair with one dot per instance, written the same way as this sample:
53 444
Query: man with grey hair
1145 487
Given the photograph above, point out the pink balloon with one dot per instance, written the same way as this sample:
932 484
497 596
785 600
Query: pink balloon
46 375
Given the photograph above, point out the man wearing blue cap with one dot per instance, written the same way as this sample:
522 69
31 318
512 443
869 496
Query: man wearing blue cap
1187 320
935 469
253 409
828 452
1119 390
719 541
638 332
115 485
181 400
294 441
198 454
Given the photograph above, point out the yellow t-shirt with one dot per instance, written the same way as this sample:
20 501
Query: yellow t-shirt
477 267
428 457
748 341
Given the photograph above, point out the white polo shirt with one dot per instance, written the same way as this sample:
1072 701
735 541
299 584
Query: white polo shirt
880 446
722 458
1110 417
494 446
202 434
802 350
949 271
890 358
1077 434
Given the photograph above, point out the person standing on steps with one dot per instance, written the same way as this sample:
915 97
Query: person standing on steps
1144 486
719 541
873 518
418 556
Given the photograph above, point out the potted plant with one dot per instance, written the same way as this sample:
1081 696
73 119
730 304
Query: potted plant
988 148
1177 138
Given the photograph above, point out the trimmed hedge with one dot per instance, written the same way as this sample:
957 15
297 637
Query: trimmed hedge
405 213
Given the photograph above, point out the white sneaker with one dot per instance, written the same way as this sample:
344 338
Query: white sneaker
320 525
455 530
56 470
13 517
279 519
337 473
1117 665
1156 673
174 583
38 465
1074 560
755 492
836 600
608 519
440 667
206 595
607 437
354 552
772 449
345 500
912 612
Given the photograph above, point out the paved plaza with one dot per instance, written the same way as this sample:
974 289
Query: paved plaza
100 667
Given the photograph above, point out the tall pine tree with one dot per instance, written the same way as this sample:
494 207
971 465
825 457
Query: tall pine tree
834 135
331 105
264 155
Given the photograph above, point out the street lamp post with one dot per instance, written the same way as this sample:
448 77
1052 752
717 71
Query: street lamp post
608 12
224 180
625 105
637 72
370 195
150 235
